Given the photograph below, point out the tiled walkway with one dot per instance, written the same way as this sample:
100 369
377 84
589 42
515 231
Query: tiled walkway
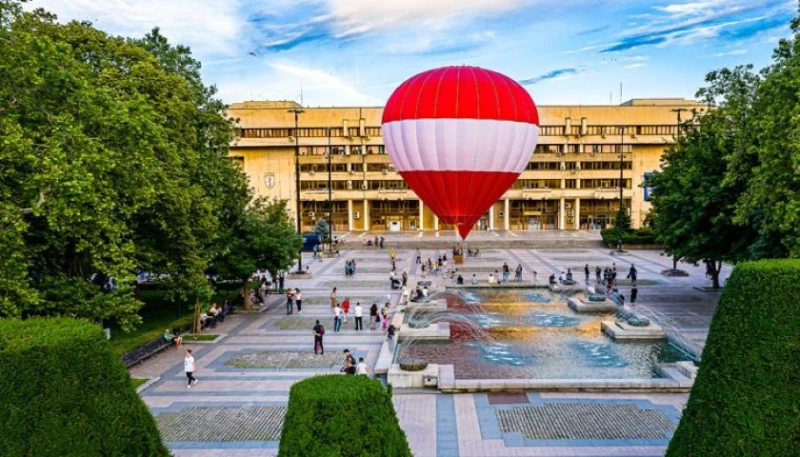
237 407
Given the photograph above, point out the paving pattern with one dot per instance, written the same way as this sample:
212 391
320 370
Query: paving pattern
283 359
569 421
237 408
251 423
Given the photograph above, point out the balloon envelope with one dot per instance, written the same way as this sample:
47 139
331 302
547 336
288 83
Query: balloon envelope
459 137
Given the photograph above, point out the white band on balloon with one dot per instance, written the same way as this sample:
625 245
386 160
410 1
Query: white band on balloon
460 144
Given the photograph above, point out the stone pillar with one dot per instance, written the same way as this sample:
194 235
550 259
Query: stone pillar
561 214
366 215
421 215
577 213
435 222
491 217
350 222
506 215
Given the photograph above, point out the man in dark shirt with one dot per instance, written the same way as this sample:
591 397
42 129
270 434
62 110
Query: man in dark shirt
319 331
349 360
349 367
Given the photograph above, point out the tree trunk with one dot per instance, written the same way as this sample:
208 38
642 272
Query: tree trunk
246 293
713 268
197 327
674 263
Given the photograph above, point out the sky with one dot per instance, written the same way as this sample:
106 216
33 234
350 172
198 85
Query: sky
356 52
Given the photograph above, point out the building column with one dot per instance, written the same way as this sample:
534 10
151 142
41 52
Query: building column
366 215
577 213
506 215
491 217
421 215
436 222
350 215
561 214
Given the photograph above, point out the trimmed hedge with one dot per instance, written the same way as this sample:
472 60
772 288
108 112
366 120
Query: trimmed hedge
746 399
63 393
640 236
346 416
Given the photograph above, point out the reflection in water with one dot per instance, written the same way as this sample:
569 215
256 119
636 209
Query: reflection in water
503 334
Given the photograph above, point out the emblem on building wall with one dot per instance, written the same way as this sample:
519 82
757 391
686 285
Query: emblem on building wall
269 179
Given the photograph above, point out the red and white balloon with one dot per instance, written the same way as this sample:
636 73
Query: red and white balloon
459 137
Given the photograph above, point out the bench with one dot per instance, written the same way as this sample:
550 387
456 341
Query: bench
141 353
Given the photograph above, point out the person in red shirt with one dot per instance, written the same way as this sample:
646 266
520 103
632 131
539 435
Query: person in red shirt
346 308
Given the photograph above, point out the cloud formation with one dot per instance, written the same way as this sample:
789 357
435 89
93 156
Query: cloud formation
561 73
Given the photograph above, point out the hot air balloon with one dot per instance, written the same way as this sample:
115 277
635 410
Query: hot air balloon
459 137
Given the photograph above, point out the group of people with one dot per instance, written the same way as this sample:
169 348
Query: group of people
349 267
379 242
495 278
350 367
294 298
215 314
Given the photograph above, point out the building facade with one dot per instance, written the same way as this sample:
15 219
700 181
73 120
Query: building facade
572 180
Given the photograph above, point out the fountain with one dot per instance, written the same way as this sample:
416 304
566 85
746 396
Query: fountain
629 326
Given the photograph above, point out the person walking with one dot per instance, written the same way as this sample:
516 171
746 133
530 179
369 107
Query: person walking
597 274
634 294
298 301
289 301
319 332
188 368
419 257
518 273
359 316
337 318
632 274
334 301
405 277
373 316
586 272
385 316
345 308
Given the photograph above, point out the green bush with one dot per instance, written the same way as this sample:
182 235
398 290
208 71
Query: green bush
637 236
746 399
64 394
345 416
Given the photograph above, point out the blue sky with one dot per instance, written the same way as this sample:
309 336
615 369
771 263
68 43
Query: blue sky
355 52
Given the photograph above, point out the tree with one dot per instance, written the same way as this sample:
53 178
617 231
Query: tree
260 237
772 198
114 161
694 197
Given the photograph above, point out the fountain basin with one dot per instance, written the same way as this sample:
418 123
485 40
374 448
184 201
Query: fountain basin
621 331
399 378
428 306
580 304
435 331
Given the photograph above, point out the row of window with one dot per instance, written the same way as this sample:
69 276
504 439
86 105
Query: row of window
544 130
540 149
532 166
394 184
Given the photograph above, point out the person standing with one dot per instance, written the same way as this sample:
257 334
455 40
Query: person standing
337 318
188 367
632 274
359 314
405 277
345 308
506 272
289 301
597 274
298 300
419 257
385 316
362 367
334 301
634 294
373 316
518 273
586 272
319 332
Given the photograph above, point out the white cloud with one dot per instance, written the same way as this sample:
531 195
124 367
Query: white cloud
277 79
695 8
365 15
735 52
208 27
634 65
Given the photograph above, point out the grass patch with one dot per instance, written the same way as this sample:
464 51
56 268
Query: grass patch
136 382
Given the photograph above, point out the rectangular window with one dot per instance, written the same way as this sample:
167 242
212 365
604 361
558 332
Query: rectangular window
551 130
373 131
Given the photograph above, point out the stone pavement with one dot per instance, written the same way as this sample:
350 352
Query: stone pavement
237 407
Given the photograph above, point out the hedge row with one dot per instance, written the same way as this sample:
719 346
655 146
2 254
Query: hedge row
345 416
746 399
63 393
640 236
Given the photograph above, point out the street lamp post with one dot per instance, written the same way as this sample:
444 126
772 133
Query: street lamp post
330 195
621 187
297 112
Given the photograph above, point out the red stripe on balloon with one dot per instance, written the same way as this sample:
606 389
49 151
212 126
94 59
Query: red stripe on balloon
459 197
461 93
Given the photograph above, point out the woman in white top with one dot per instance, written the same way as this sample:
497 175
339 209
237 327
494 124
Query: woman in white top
188 367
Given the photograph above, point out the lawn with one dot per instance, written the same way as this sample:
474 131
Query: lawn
157 314
136 382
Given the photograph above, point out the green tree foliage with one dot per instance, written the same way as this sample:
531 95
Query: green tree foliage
746 399
114 161
345 416
694 199
65 394
260 236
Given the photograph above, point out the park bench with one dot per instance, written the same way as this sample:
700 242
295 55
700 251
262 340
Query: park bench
143 352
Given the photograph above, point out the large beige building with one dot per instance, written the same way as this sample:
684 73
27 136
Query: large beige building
571 182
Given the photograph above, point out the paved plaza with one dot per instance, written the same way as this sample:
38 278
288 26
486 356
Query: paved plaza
238 405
